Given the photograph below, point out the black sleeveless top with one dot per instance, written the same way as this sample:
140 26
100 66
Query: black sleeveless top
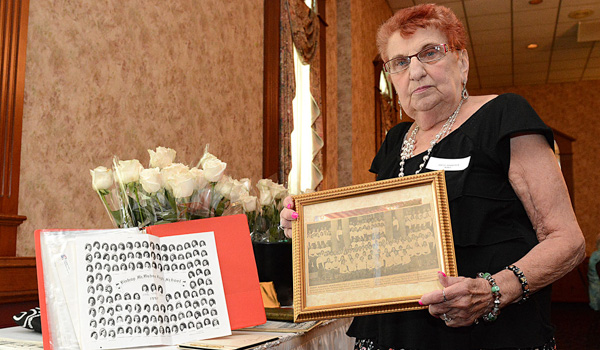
490 227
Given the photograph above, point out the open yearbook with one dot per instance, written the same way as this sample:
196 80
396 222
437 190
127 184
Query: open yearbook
169 284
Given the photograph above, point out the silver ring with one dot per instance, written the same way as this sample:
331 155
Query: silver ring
444 294
446 318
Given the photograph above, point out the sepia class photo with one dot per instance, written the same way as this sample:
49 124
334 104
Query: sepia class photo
378 244
352 244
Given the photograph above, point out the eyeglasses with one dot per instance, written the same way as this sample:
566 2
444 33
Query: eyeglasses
429 54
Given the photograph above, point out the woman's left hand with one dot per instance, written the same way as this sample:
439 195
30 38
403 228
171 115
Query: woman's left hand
461 302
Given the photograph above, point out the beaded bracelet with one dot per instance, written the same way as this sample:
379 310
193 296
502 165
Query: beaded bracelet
524 284
493 315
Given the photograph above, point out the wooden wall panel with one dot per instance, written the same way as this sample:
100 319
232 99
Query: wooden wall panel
573 287
271 92
13 18
18 279
18 288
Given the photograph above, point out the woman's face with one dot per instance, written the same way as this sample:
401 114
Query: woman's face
428 87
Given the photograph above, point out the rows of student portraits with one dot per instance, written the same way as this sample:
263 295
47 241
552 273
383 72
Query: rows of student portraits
148 310
373 245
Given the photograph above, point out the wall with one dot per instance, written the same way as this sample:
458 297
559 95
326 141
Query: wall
344 91
573 109
331 126
367 16
116 77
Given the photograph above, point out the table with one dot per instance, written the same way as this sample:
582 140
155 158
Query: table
330 335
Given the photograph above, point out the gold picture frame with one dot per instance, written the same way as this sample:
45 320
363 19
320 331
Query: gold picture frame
371 248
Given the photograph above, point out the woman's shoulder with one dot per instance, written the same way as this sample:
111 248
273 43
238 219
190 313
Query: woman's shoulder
503 115
507 105
499 101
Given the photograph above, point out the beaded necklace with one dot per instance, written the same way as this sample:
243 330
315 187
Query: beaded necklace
408 145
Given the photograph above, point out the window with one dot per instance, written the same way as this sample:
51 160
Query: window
278 146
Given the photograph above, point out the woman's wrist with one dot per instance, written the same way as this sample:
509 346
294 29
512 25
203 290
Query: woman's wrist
522 279
510 286
493 314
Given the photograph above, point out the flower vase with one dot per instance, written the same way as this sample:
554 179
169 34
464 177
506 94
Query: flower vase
274 264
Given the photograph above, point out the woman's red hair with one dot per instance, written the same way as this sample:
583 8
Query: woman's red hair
408 20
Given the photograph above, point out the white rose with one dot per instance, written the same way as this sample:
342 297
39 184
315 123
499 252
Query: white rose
278 191
182 184
247 183
264 184
214 169
249 203
162 157
129 170
201 181
151 180
171 171
265 197
102 178
238 191
205 157
224 186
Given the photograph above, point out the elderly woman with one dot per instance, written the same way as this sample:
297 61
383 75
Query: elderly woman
514 228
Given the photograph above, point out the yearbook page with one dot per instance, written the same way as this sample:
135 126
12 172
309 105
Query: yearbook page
140 290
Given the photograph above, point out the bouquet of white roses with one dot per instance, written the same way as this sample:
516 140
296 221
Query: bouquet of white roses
168 192
164 192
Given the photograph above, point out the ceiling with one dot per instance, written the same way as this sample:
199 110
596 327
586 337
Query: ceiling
500 30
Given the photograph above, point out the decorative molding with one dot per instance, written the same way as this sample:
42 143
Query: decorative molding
11 220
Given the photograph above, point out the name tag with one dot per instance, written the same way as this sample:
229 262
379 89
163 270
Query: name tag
455 164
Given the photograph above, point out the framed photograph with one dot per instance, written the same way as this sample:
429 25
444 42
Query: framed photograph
371 248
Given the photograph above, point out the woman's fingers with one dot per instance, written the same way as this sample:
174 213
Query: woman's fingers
287 215
288 202
437 296
460 302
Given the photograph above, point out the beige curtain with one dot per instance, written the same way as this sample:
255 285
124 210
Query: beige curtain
299 27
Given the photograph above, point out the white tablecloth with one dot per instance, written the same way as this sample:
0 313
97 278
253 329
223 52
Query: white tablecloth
331 336
20 333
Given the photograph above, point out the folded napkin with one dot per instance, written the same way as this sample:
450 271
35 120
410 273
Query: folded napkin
269 296
29 319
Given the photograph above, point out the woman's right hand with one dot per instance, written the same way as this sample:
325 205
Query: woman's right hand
287 215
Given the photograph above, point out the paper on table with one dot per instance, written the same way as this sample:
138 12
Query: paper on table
12 344
235 341
284 327
140 290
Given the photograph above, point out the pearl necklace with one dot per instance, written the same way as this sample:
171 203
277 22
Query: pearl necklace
408 145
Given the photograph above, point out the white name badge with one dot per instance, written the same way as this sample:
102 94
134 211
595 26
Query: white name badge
454 164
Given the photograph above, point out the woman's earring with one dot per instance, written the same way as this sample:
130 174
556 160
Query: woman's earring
400 108
465 93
